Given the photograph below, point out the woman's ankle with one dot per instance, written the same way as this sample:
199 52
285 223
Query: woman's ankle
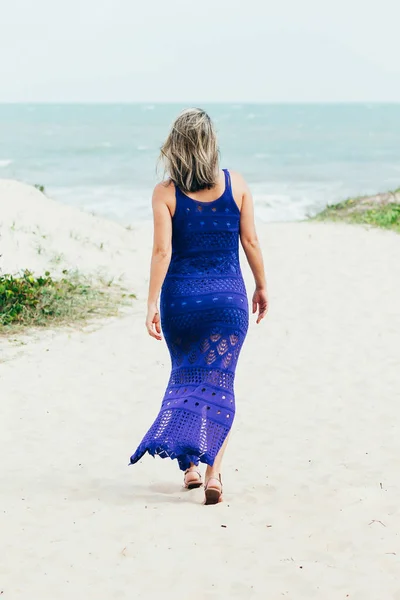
211 472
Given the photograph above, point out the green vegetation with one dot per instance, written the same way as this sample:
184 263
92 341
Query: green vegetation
382 210
27 300
40 187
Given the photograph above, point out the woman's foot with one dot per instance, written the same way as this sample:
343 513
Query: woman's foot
213 489
192 478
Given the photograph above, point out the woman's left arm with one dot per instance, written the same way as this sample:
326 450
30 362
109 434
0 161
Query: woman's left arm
161 255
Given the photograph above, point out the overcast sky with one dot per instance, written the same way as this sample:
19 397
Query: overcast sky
199 51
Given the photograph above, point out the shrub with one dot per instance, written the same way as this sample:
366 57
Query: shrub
386 216
38 301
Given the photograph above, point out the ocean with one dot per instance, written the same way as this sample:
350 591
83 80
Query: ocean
296 158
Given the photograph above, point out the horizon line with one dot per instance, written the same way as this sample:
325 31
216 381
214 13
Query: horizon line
189 103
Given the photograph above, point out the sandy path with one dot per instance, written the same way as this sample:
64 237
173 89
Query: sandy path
311 474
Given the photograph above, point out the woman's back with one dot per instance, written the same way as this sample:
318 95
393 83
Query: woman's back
205 235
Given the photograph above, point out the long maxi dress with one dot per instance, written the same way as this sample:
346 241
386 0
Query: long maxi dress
204 318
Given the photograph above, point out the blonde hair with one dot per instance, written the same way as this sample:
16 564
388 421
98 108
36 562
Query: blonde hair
190 153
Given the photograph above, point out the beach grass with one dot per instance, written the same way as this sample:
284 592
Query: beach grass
30 301
382 210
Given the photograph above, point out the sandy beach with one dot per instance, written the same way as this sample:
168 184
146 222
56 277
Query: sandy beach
311 474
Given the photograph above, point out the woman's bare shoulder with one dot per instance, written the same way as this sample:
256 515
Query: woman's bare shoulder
238 180
164 187
164 193
240 188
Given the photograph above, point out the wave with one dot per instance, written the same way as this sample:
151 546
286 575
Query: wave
5 163
120 203
127 204
271 208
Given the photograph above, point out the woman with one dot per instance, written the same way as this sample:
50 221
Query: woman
199 214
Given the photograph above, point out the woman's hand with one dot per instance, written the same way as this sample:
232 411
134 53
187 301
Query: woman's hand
260 301
153 324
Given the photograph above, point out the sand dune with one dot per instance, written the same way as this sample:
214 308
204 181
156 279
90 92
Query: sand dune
39 233
311 474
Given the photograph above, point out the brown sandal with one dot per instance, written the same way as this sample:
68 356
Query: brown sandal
193 483
213 494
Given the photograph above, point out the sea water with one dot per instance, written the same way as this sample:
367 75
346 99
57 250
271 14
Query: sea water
296 158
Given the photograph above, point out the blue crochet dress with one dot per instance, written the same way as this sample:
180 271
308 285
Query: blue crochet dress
204 317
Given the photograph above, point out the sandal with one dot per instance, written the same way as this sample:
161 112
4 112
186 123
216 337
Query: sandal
213 493
191 484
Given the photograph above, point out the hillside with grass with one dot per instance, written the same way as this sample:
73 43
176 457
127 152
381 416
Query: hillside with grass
381 210
59 265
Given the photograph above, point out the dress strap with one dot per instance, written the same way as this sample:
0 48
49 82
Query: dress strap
179 200
228 185
228 188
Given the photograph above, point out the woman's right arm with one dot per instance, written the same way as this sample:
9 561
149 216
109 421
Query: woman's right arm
163 206
252 250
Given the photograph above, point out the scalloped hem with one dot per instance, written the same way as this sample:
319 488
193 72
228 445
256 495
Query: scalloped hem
184 456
